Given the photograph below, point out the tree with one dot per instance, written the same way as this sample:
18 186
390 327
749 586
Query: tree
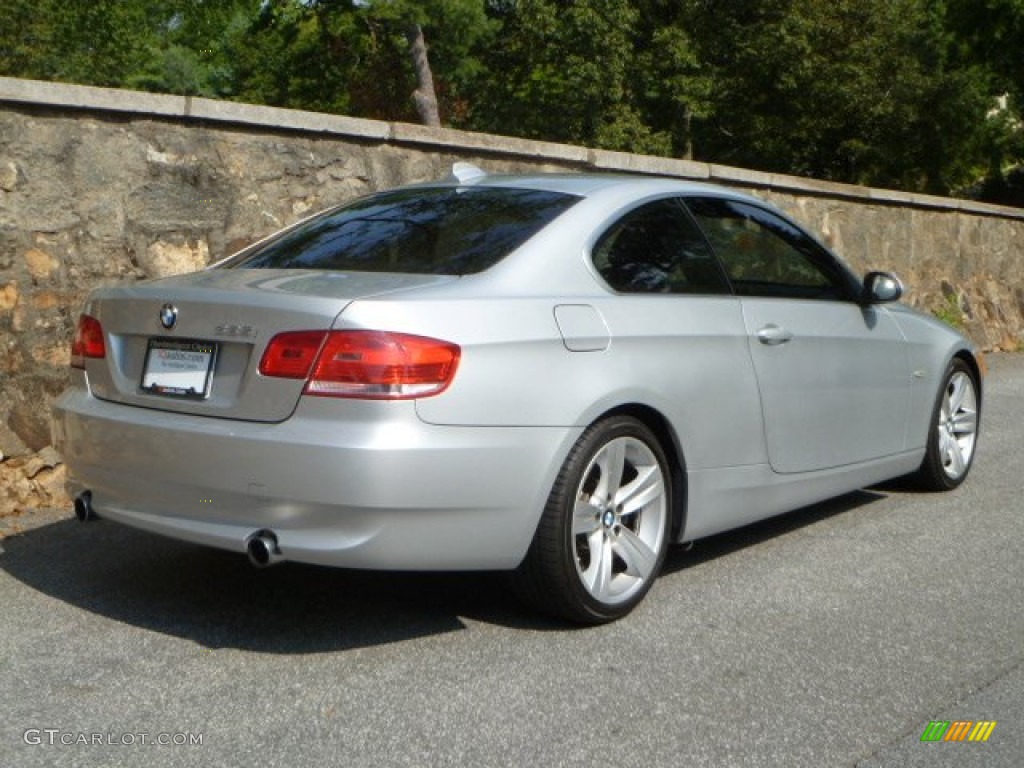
175 46
26 39
859 91
454 29
409 18
97 42
900 93
188 45
363 57
564 72
299 55
991 33
674 83
988 35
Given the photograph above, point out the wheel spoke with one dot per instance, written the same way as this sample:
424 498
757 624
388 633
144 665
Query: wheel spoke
945 447
956 458
960 386
638 557
944 412
598 576
595 541
585 518
611 461
645 488
965 422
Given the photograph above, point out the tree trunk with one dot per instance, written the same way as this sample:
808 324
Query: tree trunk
688 126
424 96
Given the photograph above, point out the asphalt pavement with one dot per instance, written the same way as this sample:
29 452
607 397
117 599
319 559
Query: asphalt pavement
831 636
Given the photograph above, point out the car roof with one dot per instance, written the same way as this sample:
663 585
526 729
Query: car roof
585 184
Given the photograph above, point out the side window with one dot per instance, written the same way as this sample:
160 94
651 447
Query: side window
657 248
764 255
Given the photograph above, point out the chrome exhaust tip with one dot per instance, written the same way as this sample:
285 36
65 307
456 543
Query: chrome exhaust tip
83 507
263 550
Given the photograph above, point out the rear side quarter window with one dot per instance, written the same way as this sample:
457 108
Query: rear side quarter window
657 248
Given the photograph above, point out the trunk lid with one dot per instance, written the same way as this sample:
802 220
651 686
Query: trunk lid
223 320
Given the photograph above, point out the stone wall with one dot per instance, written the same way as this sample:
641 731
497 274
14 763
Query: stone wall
100 186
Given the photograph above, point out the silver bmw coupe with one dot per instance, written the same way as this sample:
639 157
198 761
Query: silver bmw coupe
554 375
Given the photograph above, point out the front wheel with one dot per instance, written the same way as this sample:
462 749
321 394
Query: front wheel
954 431
604 532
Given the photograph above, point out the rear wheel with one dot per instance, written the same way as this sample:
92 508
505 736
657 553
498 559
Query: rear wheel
604 532
954 431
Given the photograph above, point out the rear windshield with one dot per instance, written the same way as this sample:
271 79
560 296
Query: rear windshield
434 231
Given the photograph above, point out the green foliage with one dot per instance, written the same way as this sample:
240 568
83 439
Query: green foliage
898 93
951 314
176 46
989 37
352 57
566 72
455 30
92 42
297 55
848 90
991 33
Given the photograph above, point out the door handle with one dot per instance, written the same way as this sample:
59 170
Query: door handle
772 335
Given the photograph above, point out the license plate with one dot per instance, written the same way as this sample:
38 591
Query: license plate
179 368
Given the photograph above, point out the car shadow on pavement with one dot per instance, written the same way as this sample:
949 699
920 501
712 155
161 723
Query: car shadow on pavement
218 600
682 557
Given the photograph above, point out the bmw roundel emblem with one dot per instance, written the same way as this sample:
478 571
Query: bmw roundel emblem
168 316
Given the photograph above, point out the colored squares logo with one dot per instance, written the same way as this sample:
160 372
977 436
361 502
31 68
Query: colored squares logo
958 730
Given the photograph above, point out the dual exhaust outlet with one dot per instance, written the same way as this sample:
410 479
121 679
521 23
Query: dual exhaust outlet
83 508
263 550
261 547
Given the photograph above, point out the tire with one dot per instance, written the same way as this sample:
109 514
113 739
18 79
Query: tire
604 532
953 431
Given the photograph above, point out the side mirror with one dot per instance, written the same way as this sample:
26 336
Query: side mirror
881 287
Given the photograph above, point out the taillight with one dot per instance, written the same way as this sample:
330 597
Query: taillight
88 341
364 364
291 355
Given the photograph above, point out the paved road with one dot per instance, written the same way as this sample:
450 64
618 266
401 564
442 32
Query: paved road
828 637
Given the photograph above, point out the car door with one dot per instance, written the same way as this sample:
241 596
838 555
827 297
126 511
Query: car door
833 374
678 338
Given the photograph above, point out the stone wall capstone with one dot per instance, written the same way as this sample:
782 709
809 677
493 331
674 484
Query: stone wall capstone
100 186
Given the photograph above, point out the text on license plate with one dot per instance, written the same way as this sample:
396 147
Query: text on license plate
179 367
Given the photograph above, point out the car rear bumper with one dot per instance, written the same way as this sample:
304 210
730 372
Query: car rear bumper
382 491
